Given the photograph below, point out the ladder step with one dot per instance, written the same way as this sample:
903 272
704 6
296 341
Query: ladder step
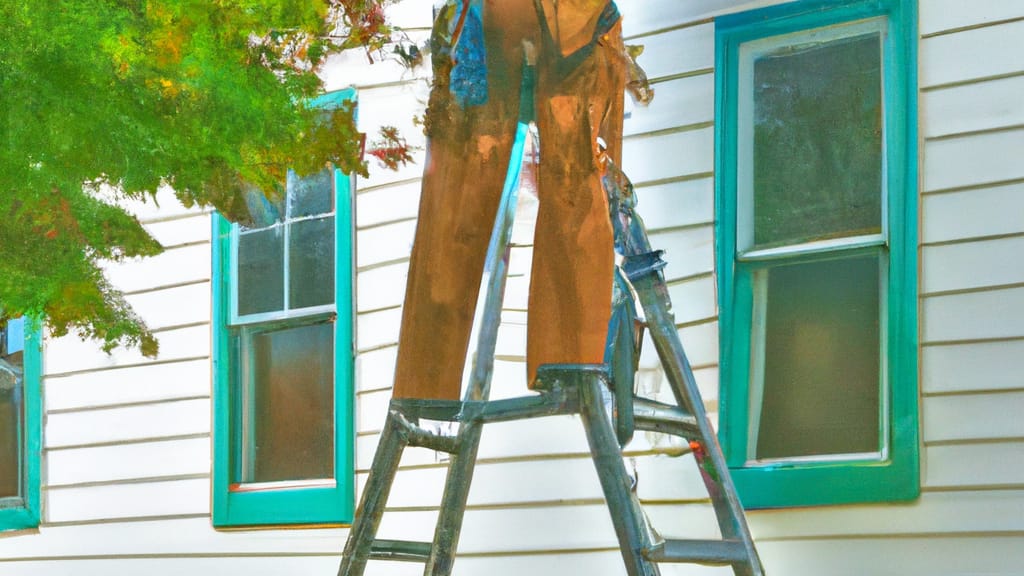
417 436
715 552
653 416
400 550
550 376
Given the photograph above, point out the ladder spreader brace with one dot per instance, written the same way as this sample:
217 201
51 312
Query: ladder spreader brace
565 389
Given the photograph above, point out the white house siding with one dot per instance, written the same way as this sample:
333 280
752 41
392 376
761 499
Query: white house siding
127 445
127 439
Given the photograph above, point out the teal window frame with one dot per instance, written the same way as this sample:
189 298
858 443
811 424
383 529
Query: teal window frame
894 476
27 513
287 503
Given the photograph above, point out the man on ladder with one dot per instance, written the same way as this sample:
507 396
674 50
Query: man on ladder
475 124
470 123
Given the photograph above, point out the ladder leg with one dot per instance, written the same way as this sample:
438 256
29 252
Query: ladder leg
374 498
627 516
731 519
453 503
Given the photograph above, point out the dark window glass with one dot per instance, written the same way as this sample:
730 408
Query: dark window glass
11 411
291 428
311 263
821 359
311 195
817 170
261 271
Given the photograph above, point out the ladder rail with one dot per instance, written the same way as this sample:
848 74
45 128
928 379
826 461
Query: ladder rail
463 462
643 267
359 546
498 255
628 519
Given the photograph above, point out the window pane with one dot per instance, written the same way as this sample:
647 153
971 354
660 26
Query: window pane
9 424
292 413
821 359
11 411
311 195
262 211
818 141
260 271
311 263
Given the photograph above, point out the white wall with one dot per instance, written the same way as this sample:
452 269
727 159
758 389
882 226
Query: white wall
127 439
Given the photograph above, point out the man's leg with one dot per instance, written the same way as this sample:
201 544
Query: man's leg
570 292
467 160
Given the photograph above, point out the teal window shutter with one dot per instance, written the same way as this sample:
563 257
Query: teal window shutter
20 424
816 197
283 355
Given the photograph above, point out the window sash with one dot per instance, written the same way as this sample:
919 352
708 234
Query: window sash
244 449
286 312
747 53
759 308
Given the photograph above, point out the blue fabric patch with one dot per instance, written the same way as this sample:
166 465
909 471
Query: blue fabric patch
15 335
607 20
469 75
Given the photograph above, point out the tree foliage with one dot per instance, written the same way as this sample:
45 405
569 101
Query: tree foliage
111 99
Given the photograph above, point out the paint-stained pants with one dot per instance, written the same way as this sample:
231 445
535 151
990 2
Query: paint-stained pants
467 160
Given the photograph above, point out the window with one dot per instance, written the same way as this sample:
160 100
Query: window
816 198
19 425
283 441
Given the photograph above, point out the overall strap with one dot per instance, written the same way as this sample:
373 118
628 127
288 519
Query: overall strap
564 65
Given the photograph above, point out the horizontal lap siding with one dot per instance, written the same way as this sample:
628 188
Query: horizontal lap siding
976 213
535 495
939 16
971 335
159 458
972 341
127 449
253 564
127 437
535 507
973 301
926 555
152 382
976 54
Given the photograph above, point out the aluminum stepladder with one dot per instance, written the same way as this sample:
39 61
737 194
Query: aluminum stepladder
583 389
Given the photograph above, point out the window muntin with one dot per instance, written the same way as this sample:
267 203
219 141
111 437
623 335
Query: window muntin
285 261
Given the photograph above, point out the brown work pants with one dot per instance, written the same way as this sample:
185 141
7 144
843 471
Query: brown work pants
467 161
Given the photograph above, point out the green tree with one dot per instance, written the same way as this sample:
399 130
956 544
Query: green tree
111 99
